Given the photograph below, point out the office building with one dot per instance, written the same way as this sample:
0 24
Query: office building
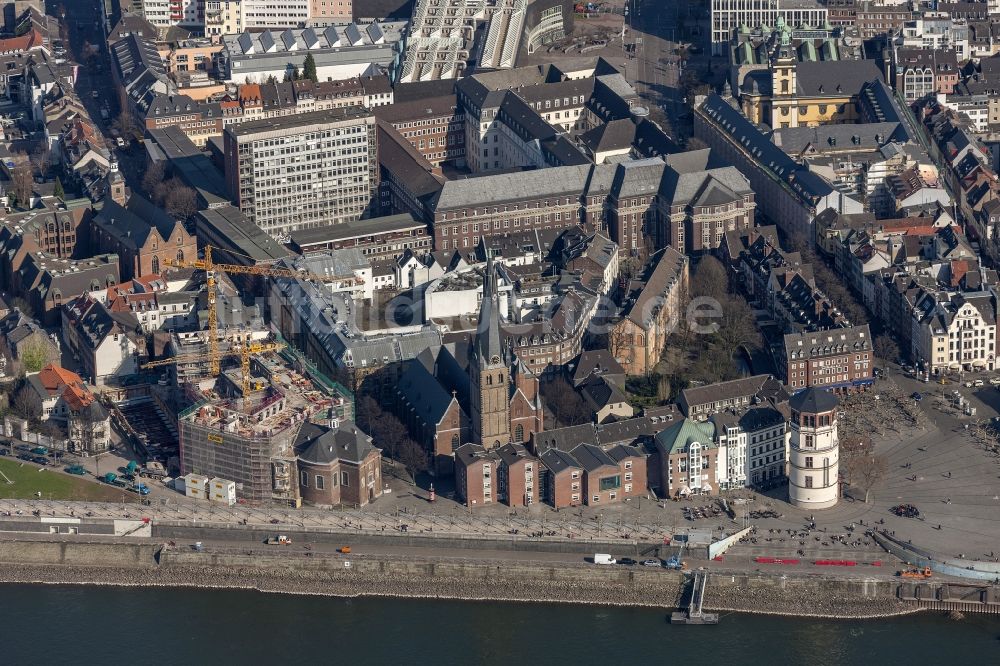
303 171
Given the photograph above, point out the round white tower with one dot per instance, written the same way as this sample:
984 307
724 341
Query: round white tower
814 458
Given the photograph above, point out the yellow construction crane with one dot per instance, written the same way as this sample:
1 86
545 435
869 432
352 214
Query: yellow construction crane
244 350
211 267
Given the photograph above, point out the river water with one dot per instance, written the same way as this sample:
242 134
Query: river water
105 625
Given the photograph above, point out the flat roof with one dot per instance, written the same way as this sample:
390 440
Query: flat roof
189 162
352 112
355 229
230 226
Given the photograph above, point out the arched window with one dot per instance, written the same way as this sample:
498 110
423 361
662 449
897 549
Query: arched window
67 226
180 255
454 442
519 433
156 264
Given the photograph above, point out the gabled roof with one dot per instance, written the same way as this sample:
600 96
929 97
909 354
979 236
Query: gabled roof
557 461
680 435
592 457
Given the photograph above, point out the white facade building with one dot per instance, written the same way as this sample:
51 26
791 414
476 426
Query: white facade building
814 454
729 15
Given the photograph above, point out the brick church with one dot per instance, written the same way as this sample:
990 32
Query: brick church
470 392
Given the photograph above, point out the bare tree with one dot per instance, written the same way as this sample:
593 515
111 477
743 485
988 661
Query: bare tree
41 157
870 471
181 201
863 468
710 279
413 457
26 405
153 178
886 349
23 182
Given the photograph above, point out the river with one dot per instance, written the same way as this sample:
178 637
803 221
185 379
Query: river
74 625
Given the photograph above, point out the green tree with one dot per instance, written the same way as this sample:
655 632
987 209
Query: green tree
34 355
58 190
309 68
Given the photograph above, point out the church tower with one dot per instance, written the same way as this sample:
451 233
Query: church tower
489 371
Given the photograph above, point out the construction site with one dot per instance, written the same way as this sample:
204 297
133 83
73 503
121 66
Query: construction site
248 437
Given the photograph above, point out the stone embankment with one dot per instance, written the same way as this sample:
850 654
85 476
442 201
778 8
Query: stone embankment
827 598
522 581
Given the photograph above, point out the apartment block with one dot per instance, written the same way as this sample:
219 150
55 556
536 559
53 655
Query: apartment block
303 171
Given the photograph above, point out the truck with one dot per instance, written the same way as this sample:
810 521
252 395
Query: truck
153 470
913 572
604 558
112 480
140 488
674 562
279 540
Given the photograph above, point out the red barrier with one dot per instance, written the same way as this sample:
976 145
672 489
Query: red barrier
877 563
774 560
717 558
835 563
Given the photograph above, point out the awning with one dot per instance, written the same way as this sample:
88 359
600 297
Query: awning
979 363
685 491
954 365
707 487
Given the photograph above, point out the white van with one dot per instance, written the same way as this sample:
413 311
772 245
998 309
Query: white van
604 558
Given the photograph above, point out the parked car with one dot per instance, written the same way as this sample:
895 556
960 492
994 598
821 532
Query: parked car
977 383
627 561
651 563
916 396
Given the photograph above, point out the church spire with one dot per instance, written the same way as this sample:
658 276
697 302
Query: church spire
488 346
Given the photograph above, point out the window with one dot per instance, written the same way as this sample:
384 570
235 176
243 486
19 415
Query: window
304 479
344 479
610 482
519 433
809 482
809 461
597 498
320 485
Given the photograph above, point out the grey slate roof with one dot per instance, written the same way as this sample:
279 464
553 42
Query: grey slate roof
638 178
827 77
564 439
557 461
592 458
321 445
240 234
813 400
725 184
424 393
498 188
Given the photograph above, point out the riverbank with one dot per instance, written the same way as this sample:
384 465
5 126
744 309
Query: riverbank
147 565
